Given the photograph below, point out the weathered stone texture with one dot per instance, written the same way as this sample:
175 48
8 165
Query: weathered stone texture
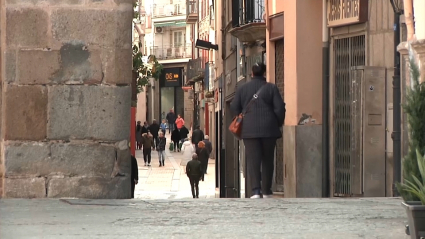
25 188
26 27
10 65
37 66
26 112
40 159
95 188
51 2
89 112
117 66
92 27
123 160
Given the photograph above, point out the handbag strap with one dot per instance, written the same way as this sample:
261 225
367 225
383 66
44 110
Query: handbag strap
253 99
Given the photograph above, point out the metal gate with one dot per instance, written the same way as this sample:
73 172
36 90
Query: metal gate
279 76
348 52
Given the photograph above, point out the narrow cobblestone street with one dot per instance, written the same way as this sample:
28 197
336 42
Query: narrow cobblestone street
170 182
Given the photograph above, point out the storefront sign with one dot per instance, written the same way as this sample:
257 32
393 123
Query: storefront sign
347 12
171 77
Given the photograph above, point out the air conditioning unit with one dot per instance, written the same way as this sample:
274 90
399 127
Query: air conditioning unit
159 30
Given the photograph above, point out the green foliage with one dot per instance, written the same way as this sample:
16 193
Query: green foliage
152 69
417 187
415 110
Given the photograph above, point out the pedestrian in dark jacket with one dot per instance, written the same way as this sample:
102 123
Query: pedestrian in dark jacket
175 137
260 129
171 119
208 144
139 135
197 136
194 173
145 127
162 141
134 174
203 157
184 132
154 129
147 143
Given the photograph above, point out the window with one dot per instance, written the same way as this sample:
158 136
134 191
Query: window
178 38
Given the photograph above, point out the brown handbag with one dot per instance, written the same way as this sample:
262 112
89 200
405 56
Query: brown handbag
236 126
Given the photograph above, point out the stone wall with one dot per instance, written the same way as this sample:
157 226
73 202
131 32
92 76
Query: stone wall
66 94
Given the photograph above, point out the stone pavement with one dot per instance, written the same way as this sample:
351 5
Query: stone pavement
203 218
170 182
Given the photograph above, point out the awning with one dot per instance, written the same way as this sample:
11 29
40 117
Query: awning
170 24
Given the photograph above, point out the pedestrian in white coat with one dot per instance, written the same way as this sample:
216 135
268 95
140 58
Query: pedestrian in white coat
188 150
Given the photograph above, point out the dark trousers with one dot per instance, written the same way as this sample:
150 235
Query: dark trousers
176 145
194 185
147 155
133 186
171 127
260 163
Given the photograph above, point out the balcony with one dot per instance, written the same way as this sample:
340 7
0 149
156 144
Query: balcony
172 52
178 8
249 24
195 71
191 11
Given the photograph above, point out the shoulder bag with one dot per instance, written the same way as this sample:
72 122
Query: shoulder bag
236 126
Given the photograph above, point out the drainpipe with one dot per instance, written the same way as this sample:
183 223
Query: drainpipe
325 103
419 6
408 15
222 160
395 135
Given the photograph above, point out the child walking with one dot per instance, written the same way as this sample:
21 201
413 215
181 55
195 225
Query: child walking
163 126
161 148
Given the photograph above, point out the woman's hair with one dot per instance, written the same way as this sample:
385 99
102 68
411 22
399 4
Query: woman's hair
258 69
201 144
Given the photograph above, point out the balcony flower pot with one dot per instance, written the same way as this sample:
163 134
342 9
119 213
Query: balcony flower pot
416 219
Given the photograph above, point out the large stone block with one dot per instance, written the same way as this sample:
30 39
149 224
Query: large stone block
10 65
25 188
37 66
117 64
40 159
89 112
51 2
26 112
123 160
26 27
93 26
93 188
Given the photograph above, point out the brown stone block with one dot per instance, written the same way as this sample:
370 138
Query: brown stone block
51 2
26 112
37 66
92 188
97 27
25 187
117 64
26 27
10 65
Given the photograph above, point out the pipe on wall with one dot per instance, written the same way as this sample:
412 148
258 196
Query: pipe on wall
408 15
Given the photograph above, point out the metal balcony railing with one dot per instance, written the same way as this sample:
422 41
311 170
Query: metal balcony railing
178 8
251 11
191 7
172 52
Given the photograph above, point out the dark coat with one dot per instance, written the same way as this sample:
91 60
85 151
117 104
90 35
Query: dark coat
184 132
134 169
266 115
208 145
197 136
203 156
144 129
154 129
147 141
161 144
193 168
171 117
175 136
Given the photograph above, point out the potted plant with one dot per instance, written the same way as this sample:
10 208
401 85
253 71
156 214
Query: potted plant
412 189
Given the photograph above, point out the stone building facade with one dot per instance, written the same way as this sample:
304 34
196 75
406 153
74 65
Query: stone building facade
65 98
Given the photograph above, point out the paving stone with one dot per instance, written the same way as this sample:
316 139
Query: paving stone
26 27
89 112
90 187
26 112
25 187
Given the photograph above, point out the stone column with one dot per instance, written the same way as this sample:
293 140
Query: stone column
65 117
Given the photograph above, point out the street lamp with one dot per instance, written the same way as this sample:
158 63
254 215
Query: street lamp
396 134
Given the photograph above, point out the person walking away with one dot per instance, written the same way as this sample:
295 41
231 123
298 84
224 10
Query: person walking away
171 119
134 174
197 136
179 122
188 150
261 128
139 135
154 129
184 133
145 127
162 141
163 126
175 137
194 172
203 157
208 144
148 144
